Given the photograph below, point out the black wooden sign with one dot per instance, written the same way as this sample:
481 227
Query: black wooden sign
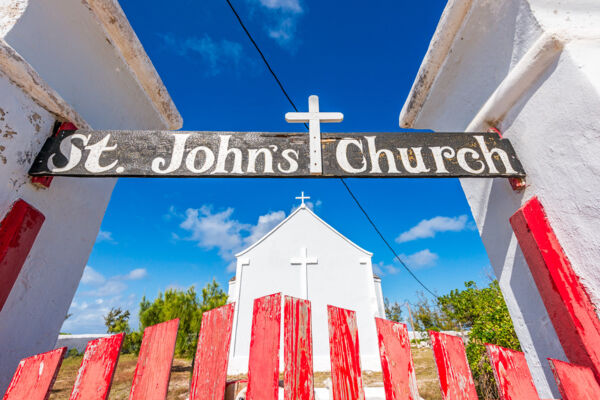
259 154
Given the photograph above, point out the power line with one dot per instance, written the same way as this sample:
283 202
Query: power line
384 240
341 179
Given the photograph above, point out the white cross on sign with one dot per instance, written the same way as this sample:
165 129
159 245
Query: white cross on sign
314 119
303 261
302 197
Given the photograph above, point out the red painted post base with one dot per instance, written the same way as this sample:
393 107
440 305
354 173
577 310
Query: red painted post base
566 300
18 231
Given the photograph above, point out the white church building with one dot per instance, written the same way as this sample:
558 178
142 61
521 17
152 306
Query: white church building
305 257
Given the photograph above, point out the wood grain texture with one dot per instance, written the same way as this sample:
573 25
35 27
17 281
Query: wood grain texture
456 380
512 374
298 350
346 374
399 379
210 366
97 370
263 363
153 369
575 382
35 375
272 154
18 231
568 304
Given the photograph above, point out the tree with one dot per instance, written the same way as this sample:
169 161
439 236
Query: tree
393 312
186 306
117 321
428 316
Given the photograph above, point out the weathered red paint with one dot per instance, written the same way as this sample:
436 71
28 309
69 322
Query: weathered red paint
298 353
575 382
44 182
35 376
18 231
153 369
399 379
346 375
212 354
263 364
566 300
456 380
512 374
97 369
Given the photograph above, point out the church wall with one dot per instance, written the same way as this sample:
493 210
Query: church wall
56 62
553 125
338 279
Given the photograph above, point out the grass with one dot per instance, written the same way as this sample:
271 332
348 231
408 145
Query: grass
427 379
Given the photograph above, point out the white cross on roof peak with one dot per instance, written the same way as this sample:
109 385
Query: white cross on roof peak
302 197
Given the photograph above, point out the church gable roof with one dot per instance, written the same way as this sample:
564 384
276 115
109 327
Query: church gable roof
300 209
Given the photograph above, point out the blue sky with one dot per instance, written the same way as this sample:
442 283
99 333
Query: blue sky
361 60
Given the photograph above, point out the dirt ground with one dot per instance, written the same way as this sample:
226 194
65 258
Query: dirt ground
182 370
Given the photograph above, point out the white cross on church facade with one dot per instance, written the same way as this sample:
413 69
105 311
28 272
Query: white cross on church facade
304 261
314 119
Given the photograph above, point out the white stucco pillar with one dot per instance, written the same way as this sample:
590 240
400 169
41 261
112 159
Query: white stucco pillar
529 68
65 60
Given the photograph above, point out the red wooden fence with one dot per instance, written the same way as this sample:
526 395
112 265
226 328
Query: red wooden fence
35 375
456 381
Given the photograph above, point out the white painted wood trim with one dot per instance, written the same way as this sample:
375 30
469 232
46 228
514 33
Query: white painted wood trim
111 17
519 80
23 75
241 263
450 24
368 253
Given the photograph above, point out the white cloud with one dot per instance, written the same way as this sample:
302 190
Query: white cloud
312 205
218 230
263 226
136 274
282 19
292 6
92 277
104 236
110 288
214 230
95 297
216 55
382 269
420 259
428 228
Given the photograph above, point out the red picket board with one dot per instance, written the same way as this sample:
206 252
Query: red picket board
298 352
44 182
566 300
97 368
512 374
153 369
35 375
399 379
346 374
263 363
212 354
18 231
456 380
575 382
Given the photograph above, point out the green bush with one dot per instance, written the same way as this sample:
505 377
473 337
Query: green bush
484 314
